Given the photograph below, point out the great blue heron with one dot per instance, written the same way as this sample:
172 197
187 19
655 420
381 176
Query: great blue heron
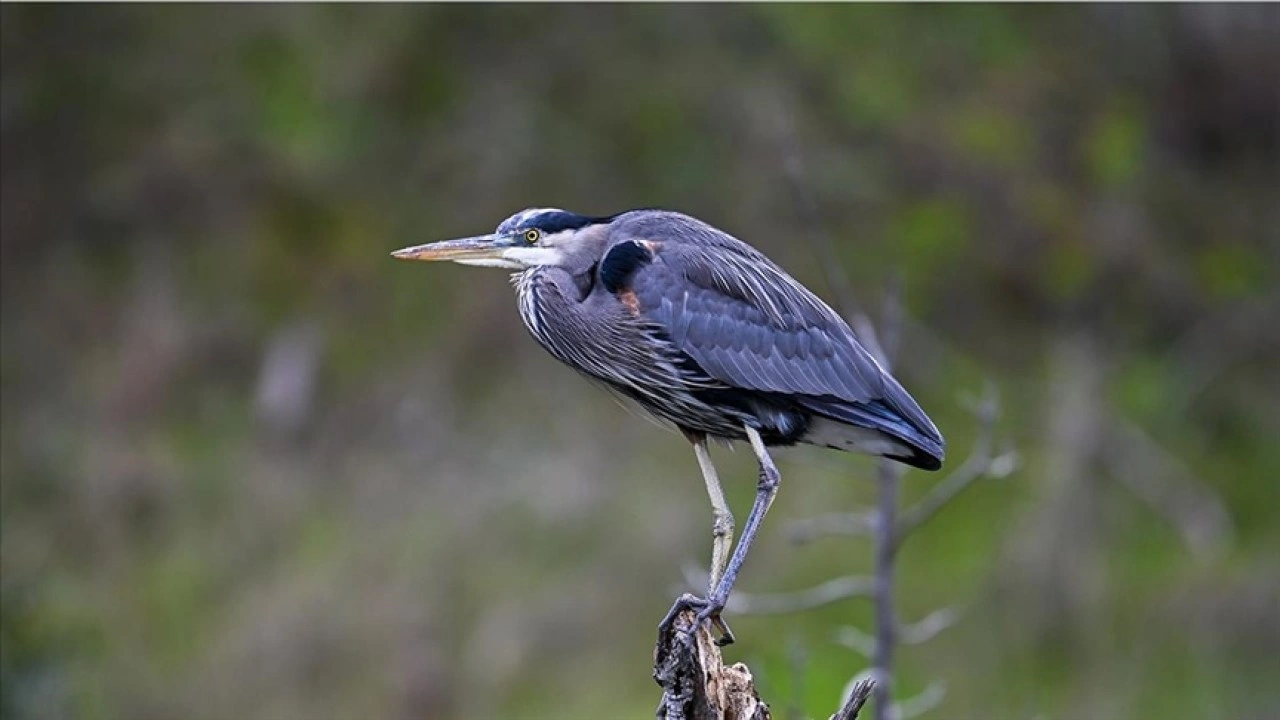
708 334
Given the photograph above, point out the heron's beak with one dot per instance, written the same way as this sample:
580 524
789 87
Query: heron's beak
472 250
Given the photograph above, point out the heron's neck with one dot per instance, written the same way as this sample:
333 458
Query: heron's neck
545 291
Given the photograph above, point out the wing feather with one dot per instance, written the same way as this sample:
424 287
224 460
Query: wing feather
750 325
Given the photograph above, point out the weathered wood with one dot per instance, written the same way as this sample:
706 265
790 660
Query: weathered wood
857 698
696 684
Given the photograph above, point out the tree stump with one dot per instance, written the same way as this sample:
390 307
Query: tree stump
695 683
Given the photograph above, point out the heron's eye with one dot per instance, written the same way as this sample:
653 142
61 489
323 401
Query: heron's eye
531 236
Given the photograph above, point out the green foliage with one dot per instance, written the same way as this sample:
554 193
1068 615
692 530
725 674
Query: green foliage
993 136
1114 146
1232 270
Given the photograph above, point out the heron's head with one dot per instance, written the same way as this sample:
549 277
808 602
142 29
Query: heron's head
528 239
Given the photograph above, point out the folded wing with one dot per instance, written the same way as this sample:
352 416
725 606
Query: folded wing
749 324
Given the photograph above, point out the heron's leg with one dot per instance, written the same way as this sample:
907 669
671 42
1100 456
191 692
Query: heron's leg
721 537
766 490
722 516
709 609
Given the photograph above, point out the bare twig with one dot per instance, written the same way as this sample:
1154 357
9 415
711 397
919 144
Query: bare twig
741 603
1216 343
886 543
909 634
856 640
857 697
807 530
1169 487
886 549
928 627
891 318
828 592
980 463
797 661
928 699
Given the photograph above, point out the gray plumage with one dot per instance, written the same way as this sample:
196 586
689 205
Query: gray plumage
708 334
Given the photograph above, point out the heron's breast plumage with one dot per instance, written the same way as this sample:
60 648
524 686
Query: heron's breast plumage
602 337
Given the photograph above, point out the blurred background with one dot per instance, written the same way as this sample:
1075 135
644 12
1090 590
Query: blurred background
254 468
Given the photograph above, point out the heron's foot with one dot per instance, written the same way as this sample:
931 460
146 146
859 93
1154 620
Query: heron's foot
707 609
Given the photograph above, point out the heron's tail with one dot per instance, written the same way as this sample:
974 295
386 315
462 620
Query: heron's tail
876 428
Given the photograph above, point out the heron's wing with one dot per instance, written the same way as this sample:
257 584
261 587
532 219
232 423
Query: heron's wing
749 324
